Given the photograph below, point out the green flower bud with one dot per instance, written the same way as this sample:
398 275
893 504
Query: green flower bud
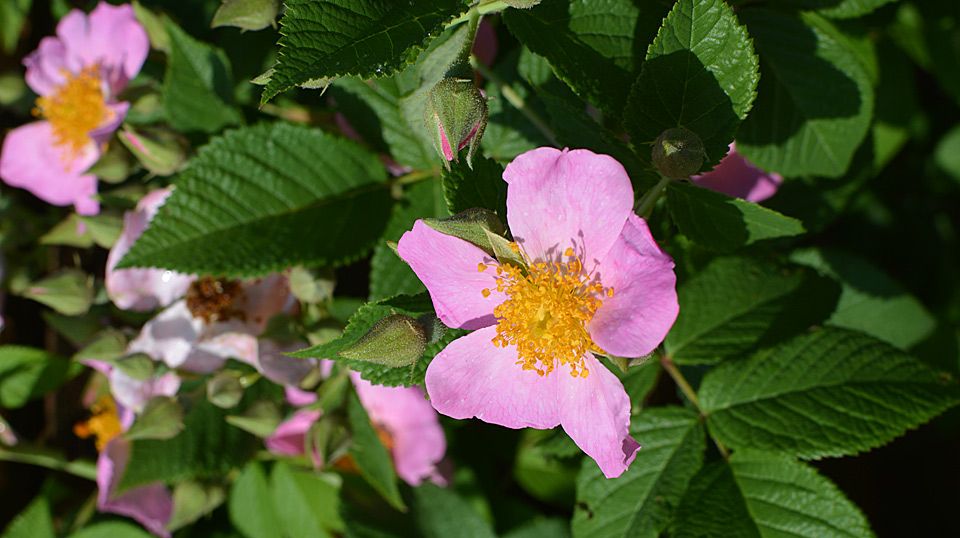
456 115
161 152
678 153
394 341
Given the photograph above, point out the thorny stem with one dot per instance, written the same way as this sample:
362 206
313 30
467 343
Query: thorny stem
83 469
516 100
649 200
691 395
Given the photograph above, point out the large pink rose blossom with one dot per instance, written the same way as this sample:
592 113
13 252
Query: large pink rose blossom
736 176
595 282
142 289
78 75
417 443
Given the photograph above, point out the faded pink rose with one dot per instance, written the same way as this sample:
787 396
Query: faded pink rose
595 281
142 289
78 75
736 176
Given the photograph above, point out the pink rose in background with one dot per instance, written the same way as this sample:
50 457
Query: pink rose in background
736 176
142 289
216 320
416 439
595 282
78 75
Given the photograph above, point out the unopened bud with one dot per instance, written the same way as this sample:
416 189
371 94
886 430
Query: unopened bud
456 114
159 151
678 153
394 341
224 389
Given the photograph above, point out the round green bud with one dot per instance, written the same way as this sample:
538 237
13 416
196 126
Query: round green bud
678 153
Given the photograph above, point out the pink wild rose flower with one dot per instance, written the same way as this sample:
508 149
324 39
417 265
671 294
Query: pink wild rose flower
78 75
403 417
736 176
595 282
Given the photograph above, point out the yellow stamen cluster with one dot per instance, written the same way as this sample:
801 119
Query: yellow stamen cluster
545 315
104 424
74 109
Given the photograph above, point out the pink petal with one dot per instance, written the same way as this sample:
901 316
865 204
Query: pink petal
150 505
559 199
30 160
413 425
118 111
111 37
170 336
289 439
299 397
141 289
485 45
448 267
280 368
736 176
225 345
263 299
473 378
595 413
644 305
46 66
134 394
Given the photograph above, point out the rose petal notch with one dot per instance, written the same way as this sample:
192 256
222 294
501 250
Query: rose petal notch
677 153
456 115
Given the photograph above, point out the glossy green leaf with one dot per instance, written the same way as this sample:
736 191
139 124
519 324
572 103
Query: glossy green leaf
480 187
642 500
244 203
700 73
198 85
370 456
736 304
848 9
307 502
832 392
815 101
765 495
251 505
33 522
246 14
725 224
364 38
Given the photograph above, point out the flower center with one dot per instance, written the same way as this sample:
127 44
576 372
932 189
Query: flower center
104 424
546 313
212 299
74 109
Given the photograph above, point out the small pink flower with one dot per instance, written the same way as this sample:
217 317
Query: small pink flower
78 75
595 282
416 439
218 319
142 289
736 176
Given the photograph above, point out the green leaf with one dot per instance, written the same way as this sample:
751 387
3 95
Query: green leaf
246 14
27 373
389 275
641 501
69 292
364 38
871 301
815 100
765 495
832 392
724 224
33 522
947 154
162 418
207 447
480 187
251 504
192 500
112 529
546 466
369 454
307 502
12 16
736 304
441 513
244 203
848 9
700 73
364 319
592 46
198 85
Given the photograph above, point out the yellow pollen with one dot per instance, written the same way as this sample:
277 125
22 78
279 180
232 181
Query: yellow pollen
546 313
481 267
485 292
74 109
104 424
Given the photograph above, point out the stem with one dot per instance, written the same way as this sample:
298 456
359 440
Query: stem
415 177
516 100
649 200
691 395
81 468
